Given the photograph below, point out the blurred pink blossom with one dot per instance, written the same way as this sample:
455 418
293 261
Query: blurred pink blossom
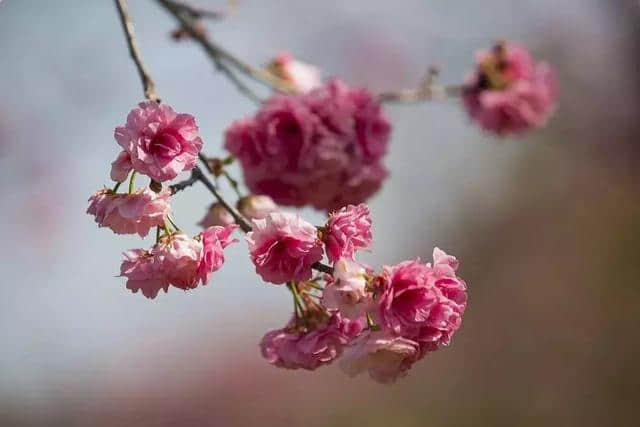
216 215
303 77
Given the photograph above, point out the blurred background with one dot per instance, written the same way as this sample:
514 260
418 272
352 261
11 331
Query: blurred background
547 227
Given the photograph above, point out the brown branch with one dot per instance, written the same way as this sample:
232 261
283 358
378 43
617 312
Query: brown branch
218 53
198 12
420 94
127 26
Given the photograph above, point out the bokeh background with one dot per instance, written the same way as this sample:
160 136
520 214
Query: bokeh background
547 227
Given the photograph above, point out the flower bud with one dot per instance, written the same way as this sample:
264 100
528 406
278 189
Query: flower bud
216 215
256 206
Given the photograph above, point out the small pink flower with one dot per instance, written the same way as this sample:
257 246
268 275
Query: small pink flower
256 206
160 142
143 273
384 356
134 213
292 349
508 92
216 215
283 247
322 148
214 240
303 77
177 260
346 292
423 303
346 231
121 167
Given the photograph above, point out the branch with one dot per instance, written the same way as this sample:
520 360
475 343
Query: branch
218 54
127 27
198 12
420 94
196 173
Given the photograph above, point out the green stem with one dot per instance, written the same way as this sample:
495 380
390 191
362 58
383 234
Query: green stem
166 228
157 234
315 286
132 181
173 223
115 187
296 296
371 324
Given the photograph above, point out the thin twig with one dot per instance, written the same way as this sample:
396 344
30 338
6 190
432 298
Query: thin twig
179 186
217 53
198 12
127 26
420 94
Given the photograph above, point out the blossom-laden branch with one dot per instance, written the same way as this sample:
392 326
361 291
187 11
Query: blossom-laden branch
127 26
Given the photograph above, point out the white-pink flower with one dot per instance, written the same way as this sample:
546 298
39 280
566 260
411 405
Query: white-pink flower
160 142
384 356
346 231
134 213
143 273
303 77
256 206
282 246
346 292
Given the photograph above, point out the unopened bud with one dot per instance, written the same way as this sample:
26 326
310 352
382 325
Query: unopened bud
256 206
216 215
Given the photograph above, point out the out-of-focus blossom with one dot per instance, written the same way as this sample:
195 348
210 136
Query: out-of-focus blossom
347 230
159 142
177 260
424 303
216 215
293 349
384 356
508 92
256 206
346 292
283 247
301 76
134 213
323 148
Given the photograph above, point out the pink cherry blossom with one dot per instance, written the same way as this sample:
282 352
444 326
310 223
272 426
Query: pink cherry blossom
143 273
292 349
283 247
384 356
160 142
214 240
421 302
176 260
509 92
134 213
346 292
347 230
322 148
216 215
121 167
302 77
256 206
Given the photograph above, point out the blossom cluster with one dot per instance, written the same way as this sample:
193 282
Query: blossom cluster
380 323
322 148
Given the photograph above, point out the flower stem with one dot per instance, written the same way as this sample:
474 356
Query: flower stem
132 181
173 223
296 296
115 187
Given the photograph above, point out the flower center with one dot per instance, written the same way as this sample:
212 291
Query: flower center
166 144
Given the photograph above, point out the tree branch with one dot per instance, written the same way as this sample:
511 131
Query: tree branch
127 27
420 94
218 54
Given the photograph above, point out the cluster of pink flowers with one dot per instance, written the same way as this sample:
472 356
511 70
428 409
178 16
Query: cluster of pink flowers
380 323
322 148
509 92
176 260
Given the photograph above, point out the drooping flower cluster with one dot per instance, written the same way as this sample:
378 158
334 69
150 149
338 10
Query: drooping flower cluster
395 317
509 92
159 143
322 148
176 260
